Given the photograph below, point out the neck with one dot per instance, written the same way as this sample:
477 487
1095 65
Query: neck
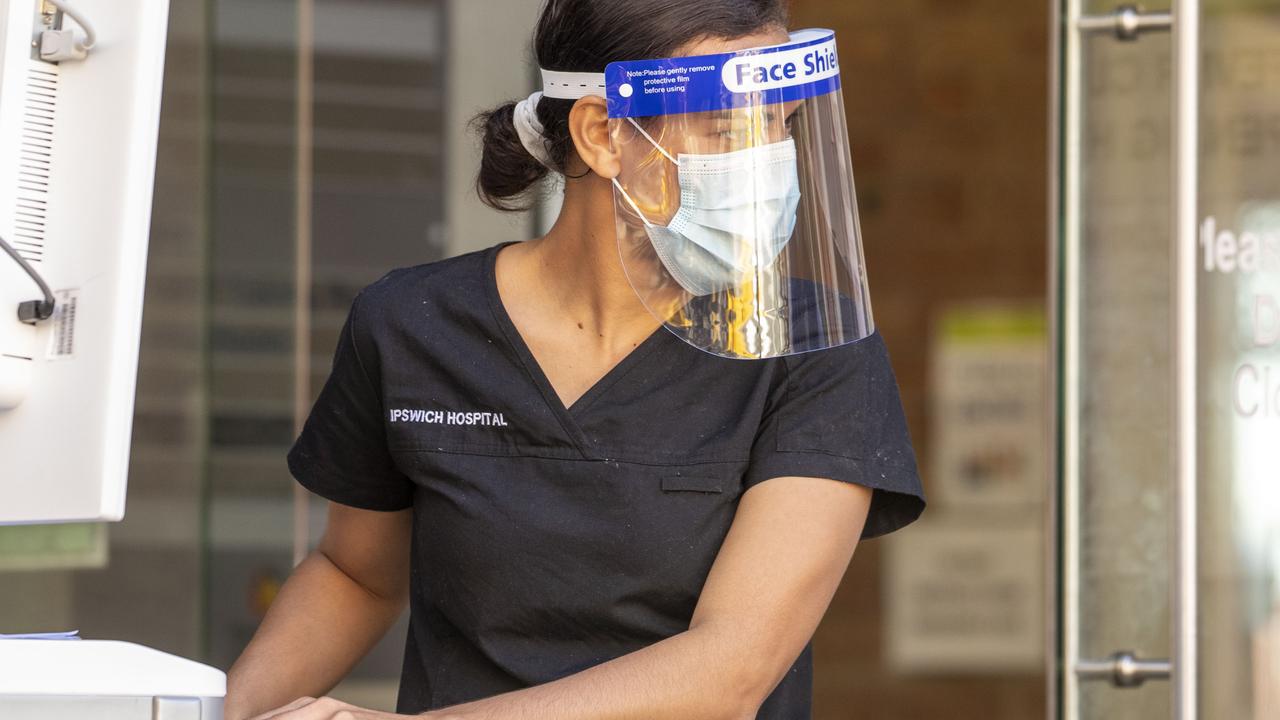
577 270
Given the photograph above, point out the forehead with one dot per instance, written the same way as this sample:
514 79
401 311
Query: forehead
716 45
749 114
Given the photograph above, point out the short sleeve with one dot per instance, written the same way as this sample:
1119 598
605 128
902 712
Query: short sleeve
838 414
342 452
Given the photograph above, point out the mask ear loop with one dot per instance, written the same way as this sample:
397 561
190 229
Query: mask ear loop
653 142
632 203
627 195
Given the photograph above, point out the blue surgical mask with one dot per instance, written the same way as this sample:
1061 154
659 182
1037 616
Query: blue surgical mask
737 213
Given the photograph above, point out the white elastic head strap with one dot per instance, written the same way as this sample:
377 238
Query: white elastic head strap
571 85
558 86
563 86
576 85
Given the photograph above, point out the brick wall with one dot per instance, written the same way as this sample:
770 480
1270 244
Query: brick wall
947 106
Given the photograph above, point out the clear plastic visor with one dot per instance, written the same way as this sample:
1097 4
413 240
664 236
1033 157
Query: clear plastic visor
737 225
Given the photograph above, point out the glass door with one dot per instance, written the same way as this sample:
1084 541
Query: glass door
1167 246
1238 346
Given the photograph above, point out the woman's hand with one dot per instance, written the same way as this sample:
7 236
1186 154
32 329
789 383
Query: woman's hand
325 708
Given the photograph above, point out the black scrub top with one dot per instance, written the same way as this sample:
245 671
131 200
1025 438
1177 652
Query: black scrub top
549 539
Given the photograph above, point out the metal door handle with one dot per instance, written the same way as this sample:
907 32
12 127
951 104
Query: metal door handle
1071 29
1127 22
1123 669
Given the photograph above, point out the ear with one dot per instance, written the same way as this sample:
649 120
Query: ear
589 128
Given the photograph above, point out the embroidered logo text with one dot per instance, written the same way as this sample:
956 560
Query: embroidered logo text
448 417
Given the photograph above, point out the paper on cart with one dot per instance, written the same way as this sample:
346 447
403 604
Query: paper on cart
67 635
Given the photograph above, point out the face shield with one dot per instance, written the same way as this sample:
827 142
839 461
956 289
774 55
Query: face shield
736 216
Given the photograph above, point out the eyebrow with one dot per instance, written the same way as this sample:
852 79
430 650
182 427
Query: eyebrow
738 115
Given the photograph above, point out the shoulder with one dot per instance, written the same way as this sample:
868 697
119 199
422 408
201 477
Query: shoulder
869 352
427 281
849 383
439 290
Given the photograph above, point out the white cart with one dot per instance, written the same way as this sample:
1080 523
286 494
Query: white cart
104 680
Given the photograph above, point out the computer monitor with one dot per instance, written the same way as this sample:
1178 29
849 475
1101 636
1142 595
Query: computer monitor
77 165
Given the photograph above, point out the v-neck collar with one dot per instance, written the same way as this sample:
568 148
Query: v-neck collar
568 417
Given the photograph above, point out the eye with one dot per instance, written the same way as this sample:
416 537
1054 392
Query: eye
725 132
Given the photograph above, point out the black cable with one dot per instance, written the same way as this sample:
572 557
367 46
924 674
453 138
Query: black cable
35 310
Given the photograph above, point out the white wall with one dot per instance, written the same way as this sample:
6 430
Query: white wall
490 61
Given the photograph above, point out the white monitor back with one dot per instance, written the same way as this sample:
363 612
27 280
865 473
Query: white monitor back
77 165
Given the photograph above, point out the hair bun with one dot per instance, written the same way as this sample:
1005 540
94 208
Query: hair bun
507 170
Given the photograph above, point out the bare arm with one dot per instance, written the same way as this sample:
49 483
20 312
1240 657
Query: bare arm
334 607
784 556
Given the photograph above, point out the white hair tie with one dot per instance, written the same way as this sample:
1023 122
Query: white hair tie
530 129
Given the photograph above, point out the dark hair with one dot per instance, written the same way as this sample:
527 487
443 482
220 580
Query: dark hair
585 36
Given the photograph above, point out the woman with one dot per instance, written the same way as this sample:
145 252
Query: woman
617 471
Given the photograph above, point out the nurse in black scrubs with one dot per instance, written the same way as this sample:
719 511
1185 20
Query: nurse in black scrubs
595 508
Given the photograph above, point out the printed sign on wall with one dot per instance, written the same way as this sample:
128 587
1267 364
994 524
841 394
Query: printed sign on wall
989 406
965 587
